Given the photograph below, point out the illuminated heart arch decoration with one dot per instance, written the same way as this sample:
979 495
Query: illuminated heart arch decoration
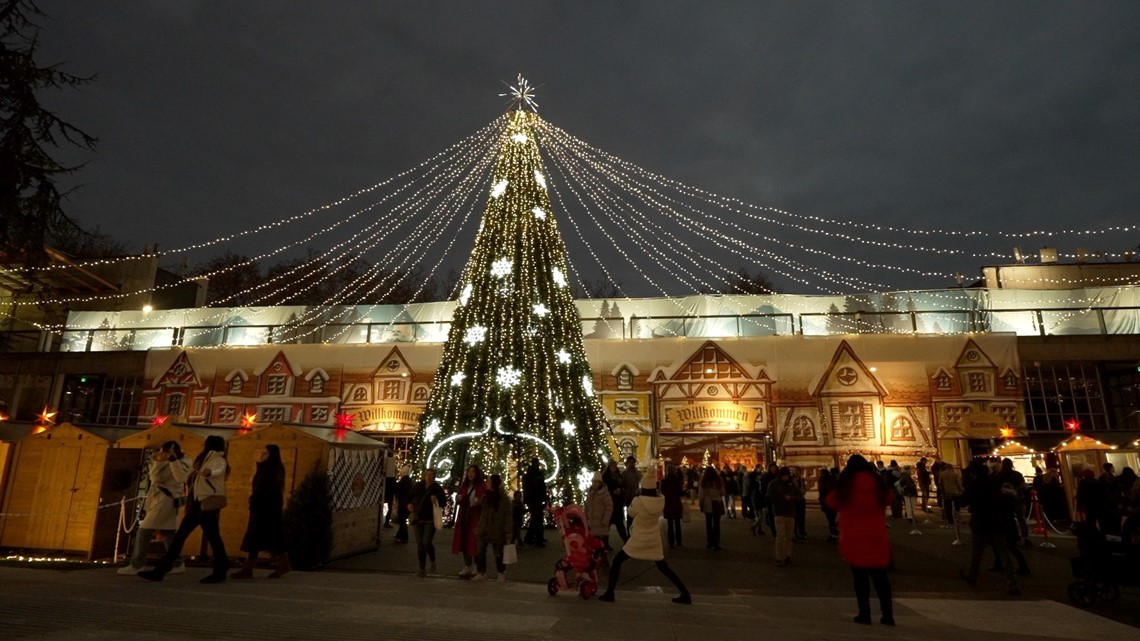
496 426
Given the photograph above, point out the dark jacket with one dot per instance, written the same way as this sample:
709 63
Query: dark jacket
266 503
671 489
782 496
534 487
421 501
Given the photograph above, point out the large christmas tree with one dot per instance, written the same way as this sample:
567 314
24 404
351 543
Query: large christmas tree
513 382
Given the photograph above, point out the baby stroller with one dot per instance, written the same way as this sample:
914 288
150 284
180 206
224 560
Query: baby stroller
578 569
1103 565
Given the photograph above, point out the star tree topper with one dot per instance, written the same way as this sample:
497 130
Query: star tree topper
521 94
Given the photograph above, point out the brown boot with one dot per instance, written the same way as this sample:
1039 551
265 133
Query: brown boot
246 571
282 566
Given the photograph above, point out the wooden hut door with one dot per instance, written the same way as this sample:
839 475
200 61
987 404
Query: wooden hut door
55 491
120 481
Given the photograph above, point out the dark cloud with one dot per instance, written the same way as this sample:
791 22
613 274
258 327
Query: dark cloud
1014 115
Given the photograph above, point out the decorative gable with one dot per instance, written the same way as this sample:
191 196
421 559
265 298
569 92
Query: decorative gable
180 372
972 356
848 376
710 362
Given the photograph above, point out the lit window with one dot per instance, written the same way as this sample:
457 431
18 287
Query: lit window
360 394
273 414
227 414
317 385
319 414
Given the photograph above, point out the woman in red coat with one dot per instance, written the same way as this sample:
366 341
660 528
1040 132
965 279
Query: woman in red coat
860 498
467 504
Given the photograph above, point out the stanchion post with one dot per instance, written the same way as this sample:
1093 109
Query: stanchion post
1039 516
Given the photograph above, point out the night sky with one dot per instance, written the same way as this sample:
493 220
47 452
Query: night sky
216 117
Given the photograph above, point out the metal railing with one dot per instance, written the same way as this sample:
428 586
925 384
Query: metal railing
1023 322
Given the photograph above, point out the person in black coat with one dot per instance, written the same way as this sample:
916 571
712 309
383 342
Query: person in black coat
265 528
990 520
534 496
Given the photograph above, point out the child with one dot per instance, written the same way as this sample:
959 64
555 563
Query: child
517 511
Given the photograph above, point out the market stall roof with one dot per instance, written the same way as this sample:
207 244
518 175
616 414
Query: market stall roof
110 433
334 435
1013 448
225 431
1080 442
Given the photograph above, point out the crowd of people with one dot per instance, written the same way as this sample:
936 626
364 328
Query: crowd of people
858 502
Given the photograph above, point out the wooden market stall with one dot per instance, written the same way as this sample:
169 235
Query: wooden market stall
143 443
354 462
1127 455
1025 459
10 434
63 483
1077 454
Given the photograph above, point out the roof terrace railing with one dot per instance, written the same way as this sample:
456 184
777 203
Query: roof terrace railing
1023 322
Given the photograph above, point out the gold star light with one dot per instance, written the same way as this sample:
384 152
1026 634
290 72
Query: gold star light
521 94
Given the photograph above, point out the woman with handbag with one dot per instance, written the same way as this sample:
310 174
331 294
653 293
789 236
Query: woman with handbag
467 500
265 528
163 499
711 497
207 483
426 501
495 528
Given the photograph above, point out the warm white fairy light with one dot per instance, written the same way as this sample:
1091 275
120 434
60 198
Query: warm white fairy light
563 356
466 295
540 310
475 334
457 378
508 376
539 213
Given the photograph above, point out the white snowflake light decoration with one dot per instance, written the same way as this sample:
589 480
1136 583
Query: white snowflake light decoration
540 179
540 310
585 479
432 430
519 138
465 295
563 356
498 189
559 277
475 334
508 376
539 213
501 268
588 384
457 378
568 428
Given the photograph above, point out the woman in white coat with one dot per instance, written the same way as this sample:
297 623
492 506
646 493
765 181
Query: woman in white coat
163 500
207 483
645 539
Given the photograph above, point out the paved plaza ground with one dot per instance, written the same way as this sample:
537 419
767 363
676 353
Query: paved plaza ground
738 593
